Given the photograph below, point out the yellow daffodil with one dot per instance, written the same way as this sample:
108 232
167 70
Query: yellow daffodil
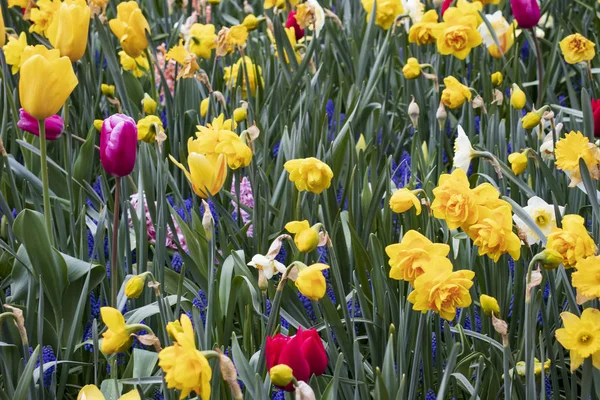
68 30
42 14
458 35
243 66
186 59
581 336
250 22
13 50
497 78
117 337
454 202
410 258
268 4
412 68
107 90
309 174
518 162
572 241
424 31
148 128
550 259
281 375
18 3
202 40
531 120
217 138
306 237
185 368
489 305
542 214
204 107
587 277
403 200
464 8
517 97
505 33
46 82
237 36
91 392
311 15
521 368
130 27
137 66
135 286
385 13
570 149
311 281
493 235
576 48
206 176
455 94
239 114
441 290
149 104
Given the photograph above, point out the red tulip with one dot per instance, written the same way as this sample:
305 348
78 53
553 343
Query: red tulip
596 110
118 145
54 125
445 5
526 12
292 23
303 353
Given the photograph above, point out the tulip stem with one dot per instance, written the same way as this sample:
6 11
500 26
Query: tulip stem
115 245
45 185
538 54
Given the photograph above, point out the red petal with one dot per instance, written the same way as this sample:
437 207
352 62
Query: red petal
292 356
314 352
273 349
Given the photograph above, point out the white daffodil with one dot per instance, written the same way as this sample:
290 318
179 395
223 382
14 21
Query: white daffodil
415 9
542 214
319 15
547 148
498 23
268 266
463 151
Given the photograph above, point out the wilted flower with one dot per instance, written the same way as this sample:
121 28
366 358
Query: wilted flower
268 265
186 59
310 14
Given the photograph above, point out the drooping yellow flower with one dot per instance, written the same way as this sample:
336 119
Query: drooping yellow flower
117 338
581 336
455 94
550 259
205 176
68 30
410 258
107 90
91 392
385 13
517 97
148 127
493 235
441 290
240 114
531 120
13 50
202 40
497 78
309 174
403 200
306 237
454 202
46 82
135 286
137 66
186 59
251 22
576 48
204 107
311 281
570 149
412 68
131 28
572 241
186 369
518 162
505 33
587 277
243 66
458 35
424 31
41 15
149 104
489 305
237 36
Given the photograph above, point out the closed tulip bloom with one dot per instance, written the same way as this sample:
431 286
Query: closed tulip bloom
311 281
403 200
518 162
489 305
46 82
68 30
130 27
54 125
206 176
118 145
117 338
526 12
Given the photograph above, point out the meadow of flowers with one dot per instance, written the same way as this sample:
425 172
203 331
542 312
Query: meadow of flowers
299 199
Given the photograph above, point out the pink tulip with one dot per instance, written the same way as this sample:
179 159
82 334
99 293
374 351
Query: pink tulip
54 125
526 12
118 145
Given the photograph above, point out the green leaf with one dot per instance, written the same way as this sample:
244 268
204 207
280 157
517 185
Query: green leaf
26 377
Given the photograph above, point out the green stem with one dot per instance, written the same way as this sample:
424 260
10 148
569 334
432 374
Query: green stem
115 245
412 393
45 184
540 68
529 337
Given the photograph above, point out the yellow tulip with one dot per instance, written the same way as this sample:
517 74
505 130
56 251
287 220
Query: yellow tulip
130 27
117 338
68 30
518 162
205 176
45 84
489 305
311 281
135 286
403 200
306 237
281 375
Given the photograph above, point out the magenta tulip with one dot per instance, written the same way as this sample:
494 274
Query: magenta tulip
526 12
54 125
118 145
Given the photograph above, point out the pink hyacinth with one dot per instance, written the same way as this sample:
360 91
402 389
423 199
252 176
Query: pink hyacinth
246 198
170 239
167 68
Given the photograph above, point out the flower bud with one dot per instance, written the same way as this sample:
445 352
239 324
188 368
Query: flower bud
239 114
98 124
361 144
518 162
550 259
281 375
497 78
533 118
441 115
135 286
413 112
204 107
149 104
108 90
208 221
517 97
489 305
